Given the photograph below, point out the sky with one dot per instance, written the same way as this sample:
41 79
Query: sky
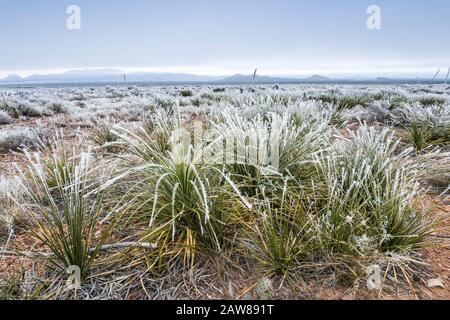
223 37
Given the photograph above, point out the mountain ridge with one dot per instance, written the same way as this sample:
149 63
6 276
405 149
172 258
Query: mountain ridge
115 76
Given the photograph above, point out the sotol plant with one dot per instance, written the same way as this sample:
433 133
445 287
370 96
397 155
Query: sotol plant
184 200
371 199
62 214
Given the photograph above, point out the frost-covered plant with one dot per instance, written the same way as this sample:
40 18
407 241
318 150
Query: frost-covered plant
424 127
5 118
8 188
159 126
186 93
372 193
280 144
27 109
18 137
427 101
7 105
164 102
56 107
58 157
103 132
63 216
279 232
182 198
433 116
435 170
374 112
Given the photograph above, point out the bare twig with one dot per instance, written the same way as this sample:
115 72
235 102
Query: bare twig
106 247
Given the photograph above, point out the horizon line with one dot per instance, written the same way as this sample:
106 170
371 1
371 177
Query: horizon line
409 73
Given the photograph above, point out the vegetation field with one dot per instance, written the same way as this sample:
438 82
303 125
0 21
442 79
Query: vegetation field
100 200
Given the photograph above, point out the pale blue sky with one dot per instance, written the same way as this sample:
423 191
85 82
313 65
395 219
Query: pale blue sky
282 37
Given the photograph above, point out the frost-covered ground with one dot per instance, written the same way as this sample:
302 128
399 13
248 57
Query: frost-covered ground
362 181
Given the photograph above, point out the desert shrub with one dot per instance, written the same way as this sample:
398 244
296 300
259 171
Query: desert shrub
164 103
372 113
5 118
78 97
15 138
186 93
56 107
397 101
27 109
196 102
8 106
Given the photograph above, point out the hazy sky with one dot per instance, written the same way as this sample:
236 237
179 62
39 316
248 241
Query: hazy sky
283 37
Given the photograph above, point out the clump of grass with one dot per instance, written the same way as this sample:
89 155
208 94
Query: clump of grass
58 157
273 144
278 234
158 128
8 189
57 107
435 170
344 101
186 93
419 137
103 132
196 102
5 118
164 103
13 289
63 217
431 101
181 198
8 106
371 200
424 127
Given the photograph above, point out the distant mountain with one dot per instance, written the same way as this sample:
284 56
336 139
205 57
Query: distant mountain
240 78
12 78
106 75
111 76
383 79
317 78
